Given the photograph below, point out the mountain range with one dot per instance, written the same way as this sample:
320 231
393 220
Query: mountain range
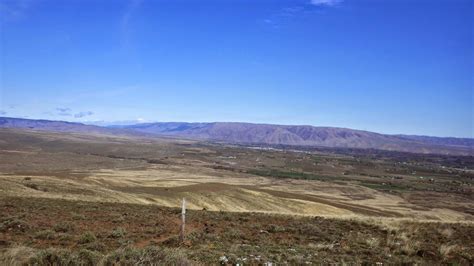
265 134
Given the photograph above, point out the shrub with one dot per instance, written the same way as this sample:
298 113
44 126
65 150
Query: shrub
118 219
275 228
147 256
63 227
233 233
87 237
124 256
118 232
78 216
19 255
13 223
95 246
32 186
445 250
53 256
45 234
88 257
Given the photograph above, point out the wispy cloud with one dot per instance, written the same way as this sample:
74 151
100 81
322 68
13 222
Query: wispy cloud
126 20
286 14
291 11
63 111
325 2
83 114
2 112
12 10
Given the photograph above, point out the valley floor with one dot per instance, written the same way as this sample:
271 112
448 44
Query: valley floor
104 198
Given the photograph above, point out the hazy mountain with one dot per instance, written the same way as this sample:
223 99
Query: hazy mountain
440 140
59 126
247 133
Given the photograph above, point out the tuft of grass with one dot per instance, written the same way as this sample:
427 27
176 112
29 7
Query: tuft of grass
53 256
118 219
445 250
45 234
63 227
16 256
32 186
372 242
78 216
22 255
409 248
13 223
95 246
118 232
87 237
321 246
446 232
147 256
275 228
233 233
88 257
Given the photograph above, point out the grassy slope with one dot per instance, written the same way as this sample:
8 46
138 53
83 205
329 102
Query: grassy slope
105 232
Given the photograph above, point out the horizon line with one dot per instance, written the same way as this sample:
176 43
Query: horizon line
89 123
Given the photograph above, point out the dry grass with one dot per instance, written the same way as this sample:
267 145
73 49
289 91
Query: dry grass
137 170
17 255
241 237
22 255
445 249
105 193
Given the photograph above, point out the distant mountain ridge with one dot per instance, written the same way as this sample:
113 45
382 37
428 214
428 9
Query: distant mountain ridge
61 126
248 133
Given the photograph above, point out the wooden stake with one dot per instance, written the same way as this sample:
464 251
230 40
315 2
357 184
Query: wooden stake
183 220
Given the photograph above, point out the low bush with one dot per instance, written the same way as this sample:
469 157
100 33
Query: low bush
32 186
118 232
45 234
147 256
13 223
87 237
63 227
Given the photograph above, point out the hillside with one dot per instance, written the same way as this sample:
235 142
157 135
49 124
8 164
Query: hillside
264 134
247 133
61 126
114 200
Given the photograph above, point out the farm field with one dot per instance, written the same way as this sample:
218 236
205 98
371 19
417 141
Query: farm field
104 198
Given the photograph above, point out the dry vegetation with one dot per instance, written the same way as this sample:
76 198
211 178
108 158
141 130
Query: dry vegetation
99 199
52 230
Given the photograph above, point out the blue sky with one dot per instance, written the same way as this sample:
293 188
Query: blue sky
390 66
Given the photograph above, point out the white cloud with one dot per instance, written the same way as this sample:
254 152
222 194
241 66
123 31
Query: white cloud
325 2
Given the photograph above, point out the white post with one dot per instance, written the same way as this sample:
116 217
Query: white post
183 220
